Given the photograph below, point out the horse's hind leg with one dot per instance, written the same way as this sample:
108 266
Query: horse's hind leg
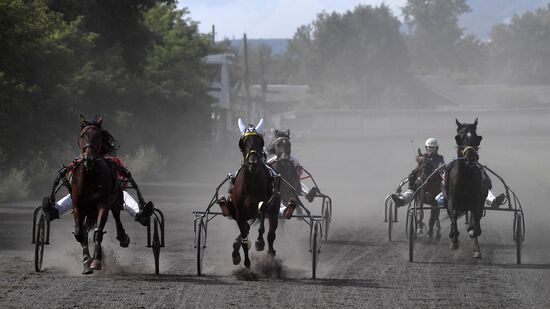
475 232
121 235
98 238
260 243
434 219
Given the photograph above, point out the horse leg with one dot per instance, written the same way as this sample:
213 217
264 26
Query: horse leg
86 259
121 235
260 243
273 223
431 222
419 223
98 237
79 232
245 243
436 212
453 234
476 231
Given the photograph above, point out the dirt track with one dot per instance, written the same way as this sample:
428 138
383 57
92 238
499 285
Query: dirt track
358 266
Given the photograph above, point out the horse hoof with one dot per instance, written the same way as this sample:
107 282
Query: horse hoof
260 245
471 233
271 252
86 270
438 236
247 263
477 255
96 264
124 240
236 259
454 245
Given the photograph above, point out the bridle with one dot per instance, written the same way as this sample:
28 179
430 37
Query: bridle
92 147
251 152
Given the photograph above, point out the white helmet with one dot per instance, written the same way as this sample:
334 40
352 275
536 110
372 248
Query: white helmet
432 142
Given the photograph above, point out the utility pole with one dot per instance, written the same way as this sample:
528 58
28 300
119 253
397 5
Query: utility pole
263 85
246 86
214 35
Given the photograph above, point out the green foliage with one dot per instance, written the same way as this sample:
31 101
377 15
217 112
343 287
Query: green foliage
147 164
436 42
14 185
349 58
137 63
520 49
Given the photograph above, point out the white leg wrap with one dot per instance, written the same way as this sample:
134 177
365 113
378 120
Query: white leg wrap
490 198
282 210
440 199
65 204
130 204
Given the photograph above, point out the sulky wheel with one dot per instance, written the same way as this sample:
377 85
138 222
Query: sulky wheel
412 235
156 244
518 237
390 221
201 246
40 240
315 249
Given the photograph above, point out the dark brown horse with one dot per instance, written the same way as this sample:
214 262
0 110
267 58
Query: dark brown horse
253 194
286 168
465 190
94 190
425 174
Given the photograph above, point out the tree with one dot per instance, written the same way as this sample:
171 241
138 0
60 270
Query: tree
351 58
520 49
434 32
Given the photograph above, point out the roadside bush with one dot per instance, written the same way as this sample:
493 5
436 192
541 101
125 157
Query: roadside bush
147 164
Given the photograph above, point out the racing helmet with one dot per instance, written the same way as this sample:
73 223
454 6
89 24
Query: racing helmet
432 142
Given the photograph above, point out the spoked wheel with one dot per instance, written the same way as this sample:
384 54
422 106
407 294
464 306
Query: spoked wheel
327 222
390 221
412 235
40 239
315 249
156 244
518 235
201 246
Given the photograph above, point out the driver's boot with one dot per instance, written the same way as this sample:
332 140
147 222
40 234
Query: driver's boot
49 208
146 212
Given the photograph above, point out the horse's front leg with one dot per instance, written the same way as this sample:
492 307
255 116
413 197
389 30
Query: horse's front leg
273 224
86 259
260 243
434 219
242 241
98 237
79 233
453 234
476 231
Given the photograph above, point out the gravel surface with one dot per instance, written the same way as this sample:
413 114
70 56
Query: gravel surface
358 267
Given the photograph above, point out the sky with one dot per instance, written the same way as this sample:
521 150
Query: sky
267 18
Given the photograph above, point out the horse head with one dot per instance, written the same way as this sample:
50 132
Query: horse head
468 142
426 166
89 140
251 143
282 144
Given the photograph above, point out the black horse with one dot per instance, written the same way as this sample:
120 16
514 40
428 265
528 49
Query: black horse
424 173
288 171
464 185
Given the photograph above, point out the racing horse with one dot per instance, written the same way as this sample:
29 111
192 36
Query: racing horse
464 184
285 167
254 194
425 174
94 190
